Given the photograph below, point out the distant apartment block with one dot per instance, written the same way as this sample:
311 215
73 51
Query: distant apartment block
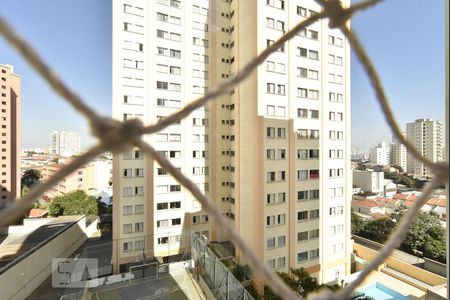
10 98
273 153
65 143
426 137
398 153
380 154
93 178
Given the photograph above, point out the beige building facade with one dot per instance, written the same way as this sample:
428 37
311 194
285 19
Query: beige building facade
10 98
426 137
274 153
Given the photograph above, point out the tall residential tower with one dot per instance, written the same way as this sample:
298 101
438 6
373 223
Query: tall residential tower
273 153
426 136
10 134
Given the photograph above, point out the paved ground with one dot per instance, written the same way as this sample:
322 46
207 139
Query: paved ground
99 246
178 285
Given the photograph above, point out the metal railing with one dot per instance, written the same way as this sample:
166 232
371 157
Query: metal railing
118 137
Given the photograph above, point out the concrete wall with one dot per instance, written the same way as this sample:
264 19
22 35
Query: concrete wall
435 267
400 266
22 279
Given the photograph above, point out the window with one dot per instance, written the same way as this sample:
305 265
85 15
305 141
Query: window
281 262
281 154
302 236
139 227
271 132
302 175
302 72
175 205
163 240
139 245
303 52
270 220
271 263
270 176
162 223
313 234
314 214
301 11
281 241
270 88
314 194
282 133
127 172
127 228
313 253
127 246
139 209
281 219
302 256
271 242
176 222
314 154
313 54
270 153
127 210
302 93
270 199
302 195
302 215
302 113
270 110
313 174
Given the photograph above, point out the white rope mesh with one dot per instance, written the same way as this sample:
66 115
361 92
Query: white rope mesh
119 137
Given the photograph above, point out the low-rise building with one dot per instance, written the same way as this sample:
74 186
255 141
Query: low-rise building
368 207
370 181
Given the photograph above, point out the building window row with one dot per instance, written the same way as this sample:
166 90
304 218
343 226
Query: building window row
308 195
276 67
334 40
163 85
279 111
281 263
336 135
335 78
336 192
168 205
336 173
279 132
275 24
173 239
307 235
137 172
133 64
168 52
308 53
336 230
308 154
336 249
309 33
307 73
200 10
200 219
308 93
135 82
200 74
138 227
200 170
307 113
273 242
273 88
168 18
335 116
168 222
307 215
304 12
172 3
336 211
273 177
169 103
133 28
135 154
174 70
200 154
335 97
307 134
307 175
200 26
133 191
133 10
276 154
333 153
166 137
307 255
128 209
276 220
274 198
270 42
276 3
164 189
128 246
335 59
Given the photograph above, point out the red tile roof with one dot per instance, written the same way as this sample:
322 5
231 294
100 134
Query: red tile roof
366 203
37 213
377 215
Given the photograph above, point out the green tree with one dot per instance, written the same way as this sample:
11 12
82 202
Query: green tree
357 223
74 203
30 177
378 230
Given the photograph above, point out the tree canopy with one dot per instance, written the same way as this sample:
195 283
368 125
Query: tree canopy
74 203
30 177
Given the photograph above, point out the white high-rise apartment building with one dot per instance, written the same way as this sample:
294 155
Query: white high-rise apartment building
380 154
398 153
274 153
65 143
426 136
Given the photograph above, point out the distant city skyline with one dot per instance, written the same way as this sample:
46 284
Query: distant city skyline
409 59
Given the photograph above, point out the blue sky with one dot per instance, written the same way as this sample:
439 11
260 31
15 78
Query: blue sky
404 38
